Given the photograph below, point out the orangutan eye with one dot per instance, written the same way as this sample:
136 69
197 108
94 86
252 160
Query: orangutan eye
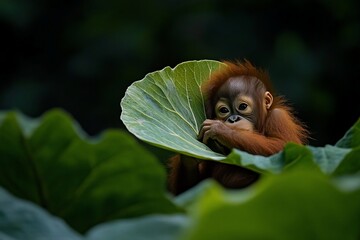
243 106
223 110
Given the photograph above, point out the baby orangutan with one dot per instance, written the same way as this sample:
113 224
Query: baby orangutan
243 113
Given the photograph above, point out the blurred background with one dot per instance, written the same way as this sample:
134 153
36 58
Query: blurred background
82 55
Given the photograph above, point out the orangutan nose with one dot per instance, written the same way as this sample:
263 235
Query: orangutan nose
233 118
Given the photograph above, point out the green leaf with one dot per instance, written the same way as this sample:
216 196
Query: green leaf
348 183
166 108
298 157
56 168
293 156
159 227
351 138
328 159
298 204
272 164
20 219
350 164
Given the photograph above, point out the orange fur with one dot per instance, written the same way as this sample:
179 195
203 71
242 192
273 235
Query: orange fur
231 69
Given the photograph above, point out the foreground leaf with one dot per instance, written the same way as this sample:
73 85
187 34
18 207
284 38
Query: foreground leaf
166 108
294 205
23 220
159 227
85 183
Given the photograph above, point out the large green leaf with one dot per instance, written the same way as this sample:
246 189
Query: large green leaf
84 182
158 227
166 108
300 204
351 138
20 219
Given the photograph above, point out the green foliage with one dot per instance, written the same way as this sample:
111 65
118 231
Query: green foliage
294 205
20 219
49 162
54 178
56 168
351 138
159 227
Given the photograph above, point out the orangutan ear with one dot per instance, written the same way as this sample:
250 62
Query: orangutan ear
268 99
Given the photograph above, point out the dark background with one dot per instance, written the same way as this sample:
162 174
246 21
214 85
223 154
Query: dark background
82 55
